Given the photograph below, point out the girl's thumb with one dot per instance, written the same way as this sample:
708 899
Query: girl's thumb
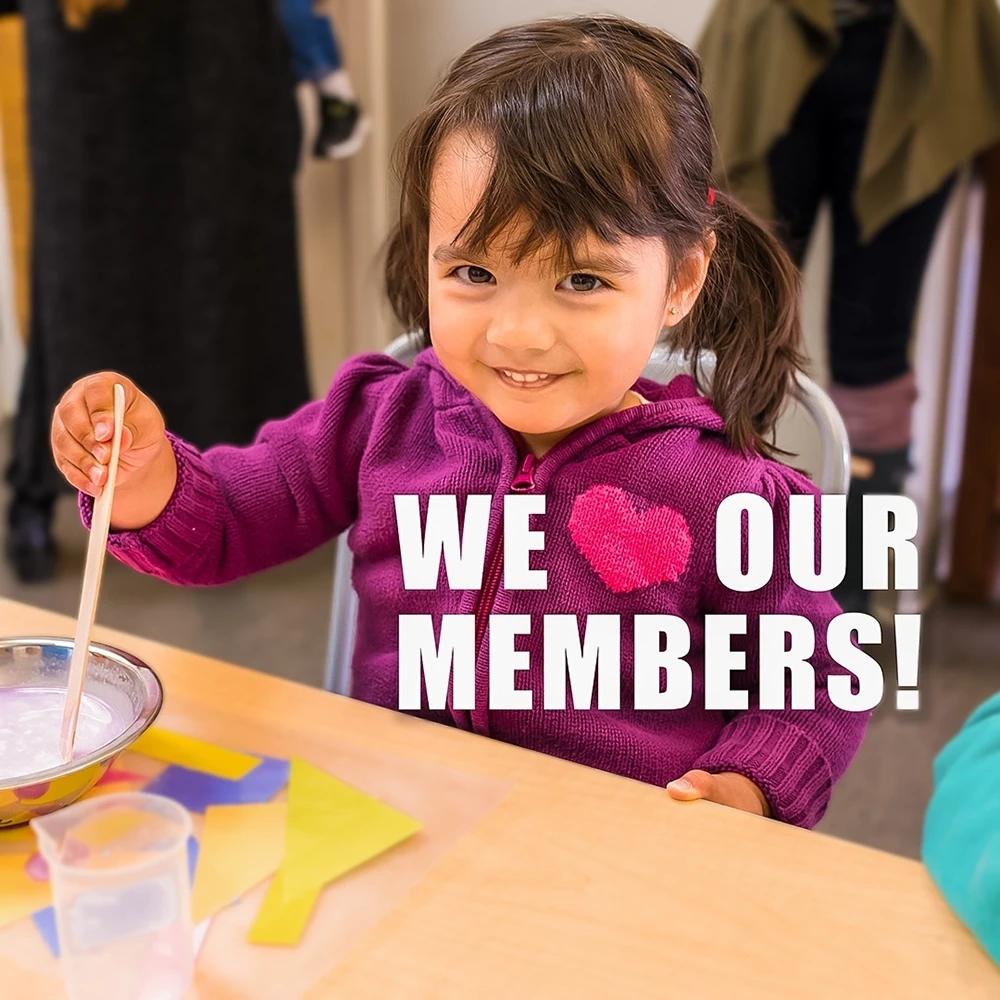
693 785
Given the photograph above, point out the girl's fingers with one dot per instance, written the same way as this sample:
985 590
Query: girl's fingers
76 418
66 446
99 399
76 478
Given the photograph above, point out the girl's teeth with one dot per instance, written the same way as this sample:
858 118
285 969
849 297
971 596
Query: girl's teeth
518 377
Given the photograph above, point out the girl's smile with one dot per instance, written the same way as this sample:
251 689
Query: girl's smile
527 381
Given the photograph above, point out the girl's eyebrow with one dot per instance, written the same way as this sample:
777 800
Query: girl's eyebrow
603 264
448 253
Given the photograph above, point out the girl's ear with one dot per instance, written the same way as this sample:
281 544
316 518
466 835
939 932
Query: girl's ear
688 282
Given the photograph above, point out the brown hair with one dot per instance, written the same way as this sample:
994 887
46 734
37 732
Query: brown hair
599 124
77 13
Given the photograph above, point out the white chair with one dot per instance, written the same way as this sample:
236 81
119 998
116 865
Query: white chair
663 366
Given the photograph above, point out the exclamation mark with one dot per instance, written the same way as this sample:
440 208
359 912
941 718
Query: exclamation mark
907 662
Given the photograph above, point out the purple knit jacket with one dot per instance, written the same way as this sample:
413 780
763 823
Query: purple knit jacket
645 481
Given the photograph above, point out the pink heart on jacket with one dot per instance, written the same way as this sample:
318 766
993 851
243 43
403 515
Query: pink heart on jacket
629 548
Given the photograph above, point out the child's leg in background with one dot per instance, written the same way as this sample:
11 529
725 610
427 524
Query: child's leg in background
317 59
874 286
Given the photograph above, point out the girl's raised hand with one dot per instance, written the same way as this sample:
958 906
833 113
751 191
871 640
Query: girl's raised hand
728 789
82 429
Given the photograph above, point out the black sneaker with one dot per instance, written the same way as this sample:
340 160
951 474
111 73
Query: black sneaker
342 128
30 549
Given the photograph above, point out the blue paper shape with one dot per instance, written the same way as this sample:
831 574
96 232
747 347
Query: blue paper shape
196 790
192 857
45 920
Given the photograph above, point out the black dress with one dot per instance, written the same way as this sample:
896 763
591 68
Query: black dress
163 143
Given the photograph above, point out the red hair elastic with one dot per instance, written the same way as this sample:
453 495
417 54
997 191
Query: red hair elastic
711 196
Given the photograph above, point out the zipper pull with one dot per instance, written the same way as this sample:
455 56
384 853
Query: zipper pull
525 479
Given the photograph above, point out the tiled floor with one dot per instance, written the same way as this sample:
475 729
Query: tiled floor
277 622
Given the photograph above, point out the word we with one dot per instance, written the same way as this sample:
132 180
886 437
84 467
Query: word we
744 541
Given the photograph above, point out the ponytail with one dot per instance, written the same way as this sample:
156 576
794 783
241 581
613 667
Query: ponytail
748 315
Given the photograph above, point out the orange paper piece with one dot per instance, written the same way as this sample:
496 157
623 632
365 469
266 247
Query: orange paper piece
240 846
332 828
196 755
20 894
16 835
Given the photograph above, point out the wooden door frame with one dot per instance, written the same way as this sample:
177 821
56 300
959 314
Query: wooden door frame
976 525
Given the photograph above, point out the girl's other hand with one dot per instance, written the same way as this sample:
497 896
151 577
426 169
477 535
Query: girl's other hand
727 788
82 432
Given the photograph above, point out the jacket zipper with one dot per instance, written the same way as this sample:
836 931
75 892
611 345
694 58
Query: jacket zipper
523 482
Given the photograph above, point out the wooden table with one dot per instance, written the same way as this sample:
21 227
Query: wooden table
583 884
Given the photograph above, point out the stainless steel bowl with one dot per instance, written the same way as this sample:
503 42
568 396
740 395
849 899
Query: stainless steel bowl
117 678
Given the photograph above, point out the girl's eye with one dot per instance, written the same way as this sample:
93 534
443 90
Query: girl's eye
581 283
473 275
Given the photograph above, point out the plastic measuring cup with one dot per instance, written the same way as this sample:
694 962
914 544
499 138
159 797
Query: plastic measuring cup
122 893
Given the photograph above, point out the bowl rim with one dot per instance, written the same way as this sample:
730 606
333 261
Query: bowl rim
147 714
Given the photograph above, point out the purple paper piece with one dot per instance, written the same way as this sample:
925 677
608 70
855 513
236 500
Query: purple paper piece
192 857
45 921
196 790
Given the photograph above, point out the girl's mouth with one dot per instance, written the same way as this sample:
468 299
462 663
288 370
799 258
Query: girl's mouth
528 381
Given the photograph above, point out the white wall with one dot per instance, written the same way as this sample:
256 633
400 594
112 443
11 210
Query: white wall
425 35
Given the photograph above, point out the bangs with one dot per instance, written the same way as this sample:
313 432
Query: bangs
579 146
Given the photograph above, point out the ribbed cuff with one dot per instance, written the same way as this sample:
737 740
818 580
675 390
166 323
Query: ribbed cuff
781 760
184 527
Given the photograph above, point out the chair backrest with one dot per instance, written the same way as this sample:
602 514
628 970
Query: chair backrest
663 365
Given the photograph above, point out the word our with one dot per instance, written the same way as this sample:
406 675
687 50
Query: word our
744 541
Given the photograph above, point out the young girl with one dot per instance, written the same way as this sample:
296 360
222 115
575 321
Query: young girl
555 216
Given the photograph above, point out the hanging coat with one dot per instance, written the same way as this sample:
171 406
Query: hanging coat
937 105
163 144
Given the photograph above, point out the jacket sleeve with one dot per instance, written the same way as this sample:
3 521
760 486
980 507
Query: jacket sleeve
961 842
795 756
236 511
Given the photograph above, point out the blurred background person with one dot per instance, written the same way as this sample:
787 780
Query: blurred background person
872 105
317 60
164 137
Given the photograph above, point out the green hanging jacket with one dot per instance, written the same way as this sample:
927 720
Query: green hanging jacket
937 105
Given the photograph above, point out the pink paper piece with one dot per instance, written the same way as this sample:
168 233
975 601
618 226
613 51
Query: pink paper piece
37 868
115 776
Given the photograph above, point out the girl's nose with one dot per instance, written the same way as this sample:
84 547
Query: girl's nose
521 330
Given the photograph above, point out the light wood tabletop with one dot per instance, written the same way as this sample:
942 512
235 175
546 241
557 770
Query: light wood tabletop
578 883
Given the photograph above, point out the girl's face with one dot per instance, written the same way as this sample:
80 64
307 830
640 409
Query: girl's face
547 351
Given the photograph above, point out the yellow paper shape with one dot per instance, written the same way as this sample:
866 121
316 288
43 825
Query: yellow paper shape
332 828
240 846
20 894
280 922
196 755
